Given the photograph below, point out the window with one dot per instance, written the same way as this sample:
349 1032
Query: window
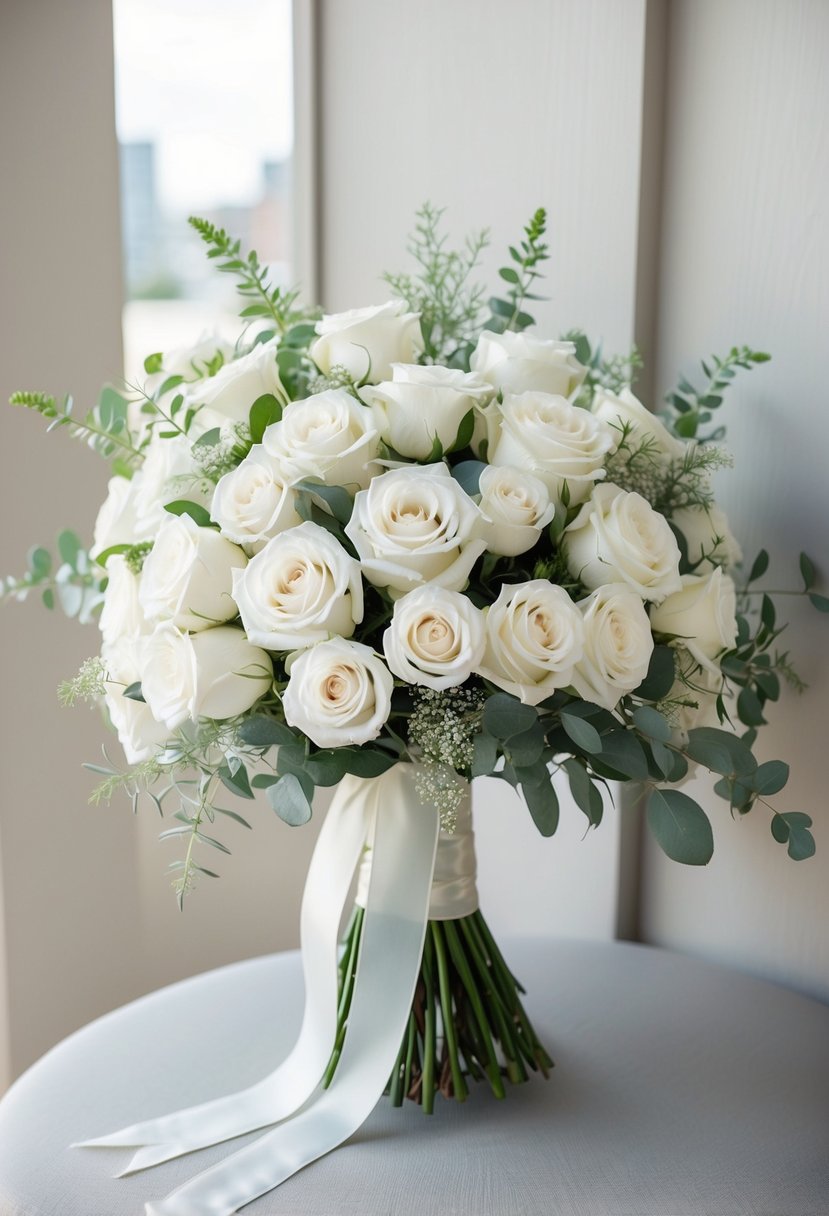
204 116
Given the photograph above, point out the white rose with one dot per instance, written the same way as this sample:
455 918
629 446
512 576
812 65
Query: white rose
214 674
122 614
552 439
330 437
139 733
338 693
421 404
617 645
622 409
298 590
367 341
168 473
252 503
415 525
617 537
232 391
515 507
116 523
436 638
534 639
520 363
702 616
708 537
187 576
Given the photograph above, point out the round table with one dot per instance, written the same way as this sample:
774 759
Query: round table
681 1088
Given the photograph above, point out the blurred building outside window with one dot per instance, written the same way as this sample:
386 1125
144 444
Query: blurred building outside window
204 118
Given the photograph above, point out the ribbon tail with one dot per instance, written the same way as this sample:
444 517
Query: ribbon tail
285 1090
394 927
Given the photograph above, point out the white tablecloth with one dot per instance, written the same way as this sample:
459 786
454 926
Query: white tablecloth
680 1089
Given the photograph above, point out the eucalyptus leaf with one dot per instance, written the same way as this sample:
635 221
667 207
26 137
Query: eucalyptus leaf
681 827
289 800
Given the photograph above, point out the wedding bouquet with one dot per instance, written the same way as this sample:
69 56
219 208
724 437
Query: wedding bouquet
416 538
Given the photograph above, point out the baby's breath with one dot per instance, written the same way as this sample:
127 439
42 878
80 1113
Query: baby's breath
443 728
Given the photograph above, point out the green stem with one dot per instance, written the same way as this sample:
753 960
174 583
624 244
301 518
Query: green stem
430 1035
458 1083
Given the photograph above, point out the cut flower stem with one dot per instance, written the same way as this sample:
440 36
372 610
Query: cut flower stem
467 1022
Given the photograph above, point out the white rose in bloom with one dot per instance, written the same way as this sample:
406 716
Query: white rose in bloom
139 733
708 537
552 439
520 363
299 589
421 404
338 693
252 503
168 473
617 645
534 639
330 436
187 576
116 523
702 616
416 525
621 409
232 391
617 537
515 507
122 614
367 341
214 674
436 638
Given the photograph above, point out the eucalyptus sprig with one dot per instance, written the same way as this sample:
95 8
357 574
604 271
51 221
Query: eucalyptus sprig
104 428
689 408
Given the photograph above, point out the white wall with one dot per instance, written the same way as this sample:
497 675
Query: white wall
492 110
745 258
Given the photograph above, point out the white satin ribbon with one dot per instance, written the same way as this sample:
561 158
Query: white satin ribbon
394 926
388 811
338 849
454 892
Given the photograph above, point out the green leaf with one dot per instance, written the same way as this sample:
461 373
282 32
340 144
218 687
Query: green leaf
133 692
661 675
210 438
652 723
771 777
807 571
288 799
365 761
681 827
40 563
525 749
264 411
585 736
197 513
761 565
819 601
468 475
585 794
152 364
69 547
465 431
793 829
337 500
505 716
622 751
542 803
749 708
509 275
261 731
237 782
104 557
707 743
484 755
48 598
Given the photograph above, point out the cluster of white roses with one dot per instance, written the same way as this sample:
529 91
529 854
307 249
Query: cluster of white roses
197 627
